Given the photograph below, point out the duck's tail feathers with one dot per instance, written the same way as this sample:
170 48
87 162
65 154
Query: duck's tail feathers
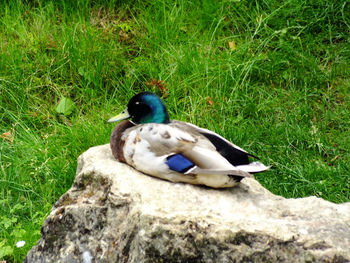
245 170
254 167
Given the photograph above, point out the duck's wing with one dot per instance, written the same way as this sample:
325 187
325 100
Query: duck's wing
186 152
234 154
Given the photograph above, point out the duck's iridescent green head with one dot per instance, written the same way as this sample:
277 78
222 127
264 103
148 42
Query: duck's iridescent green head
144 107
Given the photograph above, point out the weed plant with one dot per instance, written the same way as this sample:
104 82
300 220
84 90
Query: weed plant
271 76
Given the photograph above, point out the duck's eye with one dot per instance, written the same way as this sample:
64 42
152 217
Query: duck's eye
137 102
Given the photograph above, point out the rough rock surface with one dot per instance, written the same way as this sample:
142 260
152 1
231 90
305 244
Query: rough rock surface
116 214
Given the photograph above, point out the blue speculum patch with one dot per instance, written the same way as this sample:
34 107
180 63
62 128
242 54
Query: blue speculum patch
179 163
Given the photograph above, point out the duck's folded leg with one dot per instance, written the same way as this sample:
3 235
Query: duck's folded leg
197 170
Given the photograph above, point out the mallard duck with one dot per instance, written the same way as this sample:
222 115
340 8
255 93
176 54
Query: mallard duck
174 150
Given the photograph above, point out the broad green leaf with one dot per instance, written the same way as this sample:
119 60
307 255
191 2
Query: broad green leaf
5 251
65 106
18 233
83 72
16 207
7 222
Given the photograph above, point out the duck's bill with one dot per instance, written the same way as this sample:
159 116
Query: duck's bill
122 116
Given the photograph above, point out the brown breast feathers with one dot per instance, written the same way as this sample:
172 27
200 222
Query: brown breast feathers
116 141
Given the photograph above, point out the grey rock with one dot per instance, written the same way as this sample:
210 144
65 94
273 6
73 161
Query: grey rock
113 213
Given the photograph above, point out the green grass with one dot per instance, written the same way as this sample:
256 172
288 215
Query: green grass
282 92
